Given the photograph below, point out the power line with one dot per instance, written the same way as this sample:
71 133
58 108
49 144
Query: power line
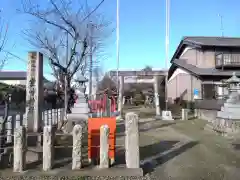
25 61
94 10
14 55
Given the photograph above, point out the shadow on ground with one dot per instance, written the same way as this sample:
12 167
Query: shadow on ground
156 154
236 146
149 167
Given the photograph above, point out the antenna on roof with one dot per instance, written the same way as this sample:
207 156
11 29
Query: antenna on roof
221 21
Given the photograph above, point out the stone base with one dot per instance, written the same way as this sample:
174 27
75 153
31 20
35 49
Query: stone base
119 118
95 172
77 117
224 127
116 113
158 117
167 116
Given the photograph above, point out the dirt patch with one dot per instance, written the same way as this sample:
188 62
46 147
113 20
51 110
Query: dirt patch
197 155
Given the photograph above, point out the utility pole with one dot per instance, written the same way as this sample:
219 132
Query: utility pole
167 51
117 42
91 62
221 23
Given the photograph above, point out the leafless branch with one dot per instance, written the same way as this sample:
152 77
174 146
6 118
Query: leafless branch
63 34
3 41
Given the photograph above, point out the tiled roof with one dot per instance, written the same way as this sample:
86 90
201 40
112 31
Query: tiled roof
203 71
15 75
213 41
200 41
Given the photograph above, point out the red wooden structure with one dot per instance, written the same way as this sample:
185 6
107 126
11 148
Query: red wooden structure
101 104
94 125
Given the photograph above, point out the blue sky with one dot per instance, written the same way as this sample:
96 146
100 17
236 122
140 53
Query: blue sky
142 29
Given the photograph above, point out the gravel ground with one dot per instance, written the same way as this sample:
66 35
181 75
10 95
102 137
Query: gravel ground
197 154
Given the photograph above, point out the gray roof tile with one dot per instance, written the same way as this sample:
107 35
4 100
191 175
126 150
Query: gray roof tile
13 74
213 41
16 75
204 71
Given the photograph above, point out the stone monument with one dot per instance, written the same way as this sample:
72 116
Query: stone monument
80 110
229 116
34 92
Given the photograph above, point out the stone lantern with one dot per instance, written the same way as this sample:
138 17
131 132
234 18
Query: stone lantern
80 84
227 118
233 89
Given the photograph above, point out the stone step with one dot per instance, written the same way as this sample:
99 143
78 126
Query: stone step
81 105
229 109
80 110
77 116
228 105
81 102
227 115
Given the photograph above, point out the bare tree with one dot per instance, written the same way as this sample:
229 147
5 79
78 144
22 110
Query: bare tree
147 68
106 83
63 32
3 41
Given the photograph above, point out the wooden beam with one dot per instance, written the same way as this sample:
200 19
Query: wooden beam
138 73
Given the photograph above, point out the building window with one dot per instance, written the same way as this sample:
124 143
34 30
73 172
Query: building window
227 58
219 58
208 91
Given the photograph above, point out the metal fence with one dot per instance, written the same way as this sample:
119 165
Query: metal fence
49 117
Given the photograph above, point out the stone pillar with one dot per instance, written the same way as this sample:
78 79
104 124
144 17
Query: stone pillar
124 99
55 116
45 118
185 114
195 113
9 129
19 155
48 142
58 115
62 114
131 100
156 95
24 120
104 146
77 147
18 121
120 97
132 141
34 90
50 117
61 117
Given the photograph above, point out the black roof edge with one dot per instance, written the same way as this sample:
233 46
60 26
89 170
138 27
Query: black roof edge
182 44
171 70
191 72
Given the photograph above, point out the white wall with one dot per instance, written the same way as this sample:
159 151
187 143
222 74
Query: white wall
14 82
177 72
